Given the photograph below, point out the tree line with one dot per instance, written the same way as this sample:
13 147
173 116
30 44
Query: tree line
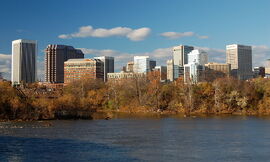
81 98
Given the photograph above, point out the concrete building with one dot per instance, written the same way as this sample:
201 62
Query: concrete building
194 70
267 68
124 76
108 65
170 70
162 72
259 72
180 53
55 56
75 69
180 58
217 70
194 73
240 58
24 58
198 56
143 64
129 67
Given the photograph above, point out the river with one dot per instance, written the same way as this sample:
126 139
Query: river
138 139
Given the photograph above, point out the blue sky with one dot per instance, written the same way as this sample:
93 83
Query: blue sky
123 28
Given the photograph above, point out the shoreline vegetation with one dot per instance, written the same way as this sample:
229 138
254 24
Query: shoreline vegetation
85 98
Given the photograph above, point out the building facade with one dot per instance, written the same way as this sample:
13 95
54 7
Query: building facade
143 64
170 70
129 67
217 70
24 58
198 56
259 72
75 69
180 58
108 65
124 76
162 70
180 53
55 57
240 58
194 73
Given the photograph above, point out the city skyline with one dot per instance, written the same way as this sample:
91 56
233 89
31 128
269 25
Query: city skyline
205 25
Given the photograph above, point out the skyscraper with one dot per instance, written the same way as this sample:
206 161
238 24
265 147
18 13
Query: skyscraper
108 65
180 53
240 58
180 58
143 64
24 55
55 57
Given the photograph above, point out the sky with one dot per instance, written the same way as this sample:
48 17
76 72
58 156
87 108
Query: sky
125 28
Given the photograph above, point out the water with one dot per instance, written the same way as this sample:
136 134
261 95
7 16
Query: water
138 139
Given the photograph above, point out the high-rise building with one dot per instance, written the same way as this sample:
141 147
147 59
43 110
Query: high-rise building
24 56
55 57
240 58
143 64
198 56
170 70
108 65
75 69
180 58
180 54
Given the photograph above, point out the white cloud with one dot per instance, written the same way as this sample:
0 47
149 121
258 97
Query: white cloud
89 31
177 35
260 54
5 65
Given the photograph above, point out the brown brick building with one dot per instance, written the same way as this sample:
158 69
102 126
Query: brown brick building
75 69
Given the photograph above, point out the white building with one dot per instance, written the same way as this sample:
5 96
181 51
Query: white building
108 65
240 58
170 70
193 71
24 67
143 64
198 56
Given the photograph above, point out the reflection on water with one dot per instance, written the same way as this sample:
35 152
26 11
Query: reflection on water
137 139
